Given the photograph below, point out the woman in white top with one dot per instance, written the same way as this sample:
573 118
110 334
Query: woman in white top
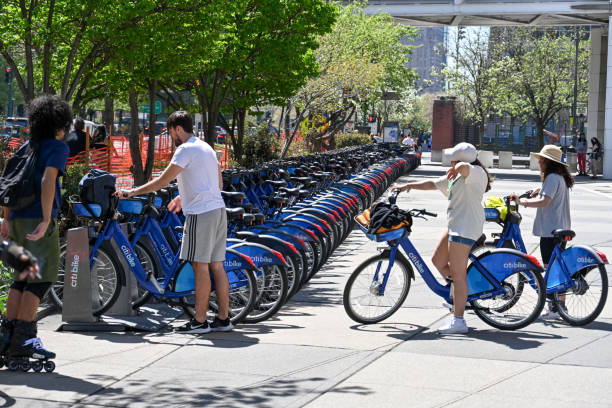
464 185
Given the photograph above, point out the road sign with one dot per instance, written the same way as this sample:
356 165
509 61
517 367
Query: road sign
145 108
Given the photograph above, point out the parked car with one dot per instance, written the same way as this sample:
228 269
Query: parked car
160 127
13 125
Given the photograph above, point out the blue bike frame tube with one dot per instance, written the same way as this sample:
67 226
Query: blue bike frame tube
421 266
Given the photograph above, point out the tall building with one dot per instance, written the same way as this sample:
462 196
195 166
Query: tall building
428 53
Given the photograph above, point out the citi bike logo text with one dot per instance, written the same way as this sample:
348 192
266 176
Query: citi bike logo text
416 261
514 264
585 259
232 263
261 259
128 255
166 254
74 272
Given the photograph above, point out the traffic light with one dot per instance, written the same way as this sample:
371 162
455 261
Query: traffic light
371 118
7 74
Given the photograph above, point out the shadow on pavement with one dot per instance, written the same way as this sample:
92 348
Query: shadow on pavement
174 392
6 401
515 340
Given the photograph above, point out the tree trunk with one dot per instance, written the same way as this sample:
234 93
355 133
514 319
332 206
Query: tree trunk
148 171
239 145
108 117
136 168
540 128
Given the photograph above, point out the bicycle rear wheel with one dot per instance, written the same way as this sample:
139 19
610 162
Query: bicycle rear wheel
519 306
362 299
272 292
242 296
585 302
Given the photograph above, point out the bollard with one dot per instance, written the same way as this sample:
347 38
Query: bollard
486 158
436 156
572 161
78 285
534 163
505 160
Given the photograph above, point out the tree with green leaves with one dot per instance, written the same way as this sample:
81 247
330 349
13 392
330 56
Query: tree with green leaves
262 51
475 76
538 72
362 57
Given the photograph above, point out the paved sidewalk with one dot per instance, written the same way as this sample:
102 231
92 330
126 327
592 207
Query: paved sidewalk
311 354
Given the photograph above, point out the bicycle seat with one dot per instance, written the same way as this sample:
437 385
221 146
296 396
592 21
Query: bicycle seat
304 193
565 235
290 191
479 242
276 183
233 195
248 218
248 207
234 213
259 218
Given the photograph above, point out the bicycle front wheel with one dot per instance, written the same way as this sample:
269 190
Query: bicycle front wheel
107 273
520 305
582 304
363 299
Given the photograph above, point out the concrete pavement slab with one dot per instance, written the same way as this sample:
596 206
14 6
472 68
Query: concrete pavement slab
581 386
595 354
328 326
539 342
350 395
438 372
508 401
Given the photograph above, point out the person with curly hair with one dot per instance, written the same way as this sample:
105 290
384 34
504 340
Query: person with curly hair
35 227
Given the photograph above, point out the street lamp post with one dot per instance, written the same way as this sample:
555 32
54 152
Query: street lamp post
574 102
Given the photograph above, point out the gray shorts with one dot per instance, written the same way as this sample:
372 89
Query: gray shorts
204 237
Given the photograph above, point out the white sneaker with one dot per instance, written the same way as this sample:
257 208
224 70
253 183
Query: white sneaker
456 325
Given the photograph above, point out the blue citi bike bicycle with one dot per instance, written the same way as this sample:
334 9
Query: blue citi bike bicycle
175 285
576 278
378 287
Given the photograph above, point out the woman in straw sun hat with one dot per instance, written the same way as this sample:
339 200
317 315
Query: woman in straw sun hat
464 184
552 203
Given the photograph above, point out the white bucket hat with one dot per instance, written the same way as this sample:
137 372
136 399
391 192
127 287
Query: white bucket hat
465 152
551 152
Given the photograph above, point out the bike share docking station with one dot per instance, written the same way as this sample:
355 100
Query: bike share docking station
80 287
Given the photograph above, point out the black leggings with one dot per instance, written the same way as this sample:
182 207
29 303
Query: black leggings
39 289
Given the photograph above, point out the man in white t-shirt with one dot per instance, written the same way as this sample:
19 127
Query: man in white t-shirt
194 165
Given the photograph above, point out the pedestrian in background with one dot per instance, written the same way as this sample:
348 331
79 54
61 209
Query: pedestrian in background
76 138
581 148
553 208
35 227
595 154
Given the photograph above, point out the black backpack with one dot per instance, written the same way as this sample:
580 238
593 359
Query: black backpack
17 185
385 217
97 187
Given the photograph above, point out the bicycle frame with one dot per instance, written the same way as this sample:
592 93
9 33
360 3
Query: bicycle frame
476 289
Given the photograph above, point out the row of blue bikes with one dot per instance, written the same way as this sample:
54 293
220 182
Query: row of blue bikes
285 218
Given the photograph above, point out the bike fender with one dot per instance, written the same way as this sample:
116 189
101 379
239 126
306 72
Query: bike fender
400 255
503 262
261 255
580 256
